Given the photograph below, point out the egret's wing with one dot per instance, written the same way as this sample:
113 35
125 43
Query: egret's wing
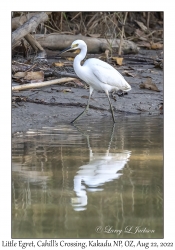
108 75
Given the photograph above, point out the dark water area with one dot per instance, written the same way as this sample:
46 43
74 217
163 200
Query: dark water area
92 180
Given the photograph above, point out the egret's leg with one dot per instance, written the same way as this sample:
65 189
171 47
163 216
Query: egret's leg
110 106
87 107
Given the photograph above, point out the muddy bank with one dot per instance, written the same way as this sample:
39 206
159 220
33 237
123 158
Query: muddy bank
57 104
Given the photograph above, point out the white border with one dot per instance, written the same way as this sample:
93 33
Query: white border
169 94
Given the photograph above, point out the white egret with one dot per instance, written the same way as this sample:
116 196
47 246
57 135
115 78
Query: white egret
97 74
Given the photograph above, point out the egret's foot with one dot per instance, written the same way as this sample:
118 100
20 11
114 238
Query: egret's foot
113 96
72 122
121 93
86 109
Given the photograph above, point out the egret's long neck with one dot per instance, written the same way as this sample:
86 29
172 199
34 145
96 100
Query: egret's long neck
79 58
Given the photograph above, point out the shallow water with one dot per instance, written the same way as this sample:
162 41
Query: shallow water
94 180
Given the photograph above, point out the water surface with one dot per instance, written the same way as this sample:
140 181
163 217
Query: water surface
92 180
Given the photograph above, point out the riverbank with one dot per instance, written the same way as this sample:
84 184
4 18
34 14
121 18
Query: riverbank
57 104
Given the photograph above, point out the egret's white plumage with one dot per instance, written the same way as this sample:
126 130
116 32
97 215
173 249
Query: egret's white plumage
97 74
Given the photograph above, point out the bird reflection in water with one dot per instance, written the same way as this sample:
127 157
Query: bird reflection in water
102 168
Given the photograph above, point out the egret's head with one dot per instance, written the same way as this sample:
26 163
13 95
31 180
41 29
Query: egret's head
75 47
78 44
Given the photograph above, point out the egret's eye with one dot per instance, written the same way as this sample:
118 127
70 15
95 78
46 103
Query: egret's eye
75 45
